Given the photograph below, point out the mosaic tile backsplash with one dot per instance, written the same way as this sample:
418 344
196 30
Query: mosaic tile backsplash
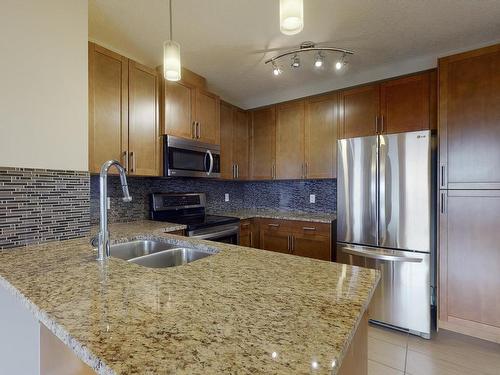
284 195
38 205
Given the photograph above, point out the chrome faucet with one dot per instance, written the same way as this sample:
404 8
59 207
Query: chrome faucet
103 251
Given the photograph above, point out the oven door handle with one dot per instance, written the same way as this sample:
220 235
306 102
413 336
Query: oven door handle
210 156
379 256
215 234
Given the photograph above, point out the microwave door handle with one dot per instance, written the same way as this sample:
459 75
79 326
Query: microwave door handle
210 156
380 256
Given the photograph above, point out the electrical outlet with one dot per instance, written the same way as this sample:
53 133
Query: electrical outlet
226 197
108 203
312 198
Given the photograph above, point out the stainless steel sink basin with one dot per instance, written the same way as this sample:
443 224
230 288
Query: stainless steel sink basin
138 248
170 258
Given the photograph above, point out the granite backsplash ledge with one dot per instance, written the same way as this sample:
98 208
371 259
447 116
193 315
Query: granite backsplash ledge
280 195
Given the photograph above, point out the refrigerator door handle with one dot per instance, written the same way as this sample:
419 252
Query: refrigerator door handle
380 256
383 209
374 188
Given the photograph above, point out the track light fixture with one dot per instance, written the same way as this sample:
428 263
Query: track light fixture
276 69
341 63
307 47
318 63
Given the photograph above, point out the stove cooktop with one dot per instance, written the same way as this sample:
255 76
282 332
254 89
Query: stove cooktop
202 221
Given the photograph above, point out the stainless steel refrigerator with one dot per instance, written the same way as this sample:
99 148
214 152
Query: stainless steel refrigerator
384 221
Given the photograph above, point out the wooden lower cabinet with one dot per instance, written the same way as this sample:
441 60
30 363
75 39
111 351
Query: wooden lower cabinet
311 245
356 359
249 233
307 239
469 263
274 237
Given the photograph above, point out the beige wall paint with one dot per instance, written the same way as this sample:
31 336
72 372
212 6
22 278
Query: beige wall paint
43 84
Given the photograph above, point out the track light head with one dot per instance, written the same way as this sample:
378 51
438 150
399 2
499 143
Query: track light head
276 69
341 63
318 63
295 62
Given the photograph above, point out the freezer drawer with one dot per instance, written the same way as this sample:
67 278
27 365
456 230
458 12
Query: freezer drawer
402 298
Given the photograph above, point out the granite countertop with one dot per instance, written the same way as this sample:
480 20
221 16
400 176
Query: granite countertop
239 311
280 214
133 228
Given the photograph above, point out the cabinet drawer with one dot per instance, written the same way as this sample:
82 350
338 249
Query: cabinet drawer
308 227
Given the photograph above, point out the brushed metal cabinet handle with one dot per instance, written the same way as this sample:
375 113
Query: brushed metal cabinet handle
381 124
132 156
237 171
251 239
125 157
198 126
309 228
193 130
288 247
273 225
376 124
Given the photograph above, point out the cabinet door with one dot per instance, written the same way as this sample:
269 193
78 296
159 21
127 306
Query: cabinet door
226 141
241 143
311 245
274 236
249 233
470 261
108 107
359 111
178 109
263 143
405 104
207 117
290 140
321 137
144 137
469 119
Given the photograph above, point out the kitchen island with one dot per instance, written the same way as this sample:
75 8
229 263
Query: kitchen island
238 311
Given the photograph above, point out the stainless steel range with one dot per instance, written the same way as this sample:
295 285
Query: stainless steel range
189 209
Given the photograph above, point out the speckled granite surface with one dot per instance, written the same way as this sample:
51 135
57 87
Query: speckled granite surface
280 214
238 311
122 231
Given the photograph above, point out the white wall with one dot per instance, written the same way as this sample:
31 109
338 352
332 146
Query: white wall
43 84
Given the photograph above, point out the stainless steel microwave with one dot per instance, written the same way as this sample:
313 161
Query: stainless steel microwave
190 158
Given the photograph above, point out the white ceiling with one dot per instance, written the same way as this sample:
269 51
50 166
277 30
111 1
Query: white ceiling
221 39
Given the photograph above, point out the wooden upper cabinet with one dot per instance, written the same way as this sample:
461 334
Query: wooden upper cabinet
405 104
359 111
398 105
226 141
207 116
178 99
241 143
263 143
108 106
321 137
290 119
469 119
144 136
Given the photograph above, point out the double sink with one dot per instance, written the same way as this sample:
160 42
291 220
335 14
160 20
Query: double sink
156 254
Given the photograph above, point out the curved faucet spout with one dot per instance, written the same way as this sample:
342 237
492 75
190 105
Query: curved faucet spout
103 250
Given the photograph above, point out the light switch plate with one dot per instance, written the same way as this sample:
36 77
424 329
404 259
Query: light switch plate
226 197
312 198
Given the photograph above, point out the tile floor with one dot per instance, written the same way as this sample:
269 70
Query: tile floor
448 353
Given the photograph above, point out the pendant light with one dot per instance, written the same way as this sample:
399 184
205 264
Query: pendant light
291 16
171 55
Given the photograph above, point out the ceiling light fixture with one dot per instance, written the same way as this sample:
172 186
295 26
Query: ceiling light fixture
291 16
318 63
340 64
276 69
171 55
307 47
